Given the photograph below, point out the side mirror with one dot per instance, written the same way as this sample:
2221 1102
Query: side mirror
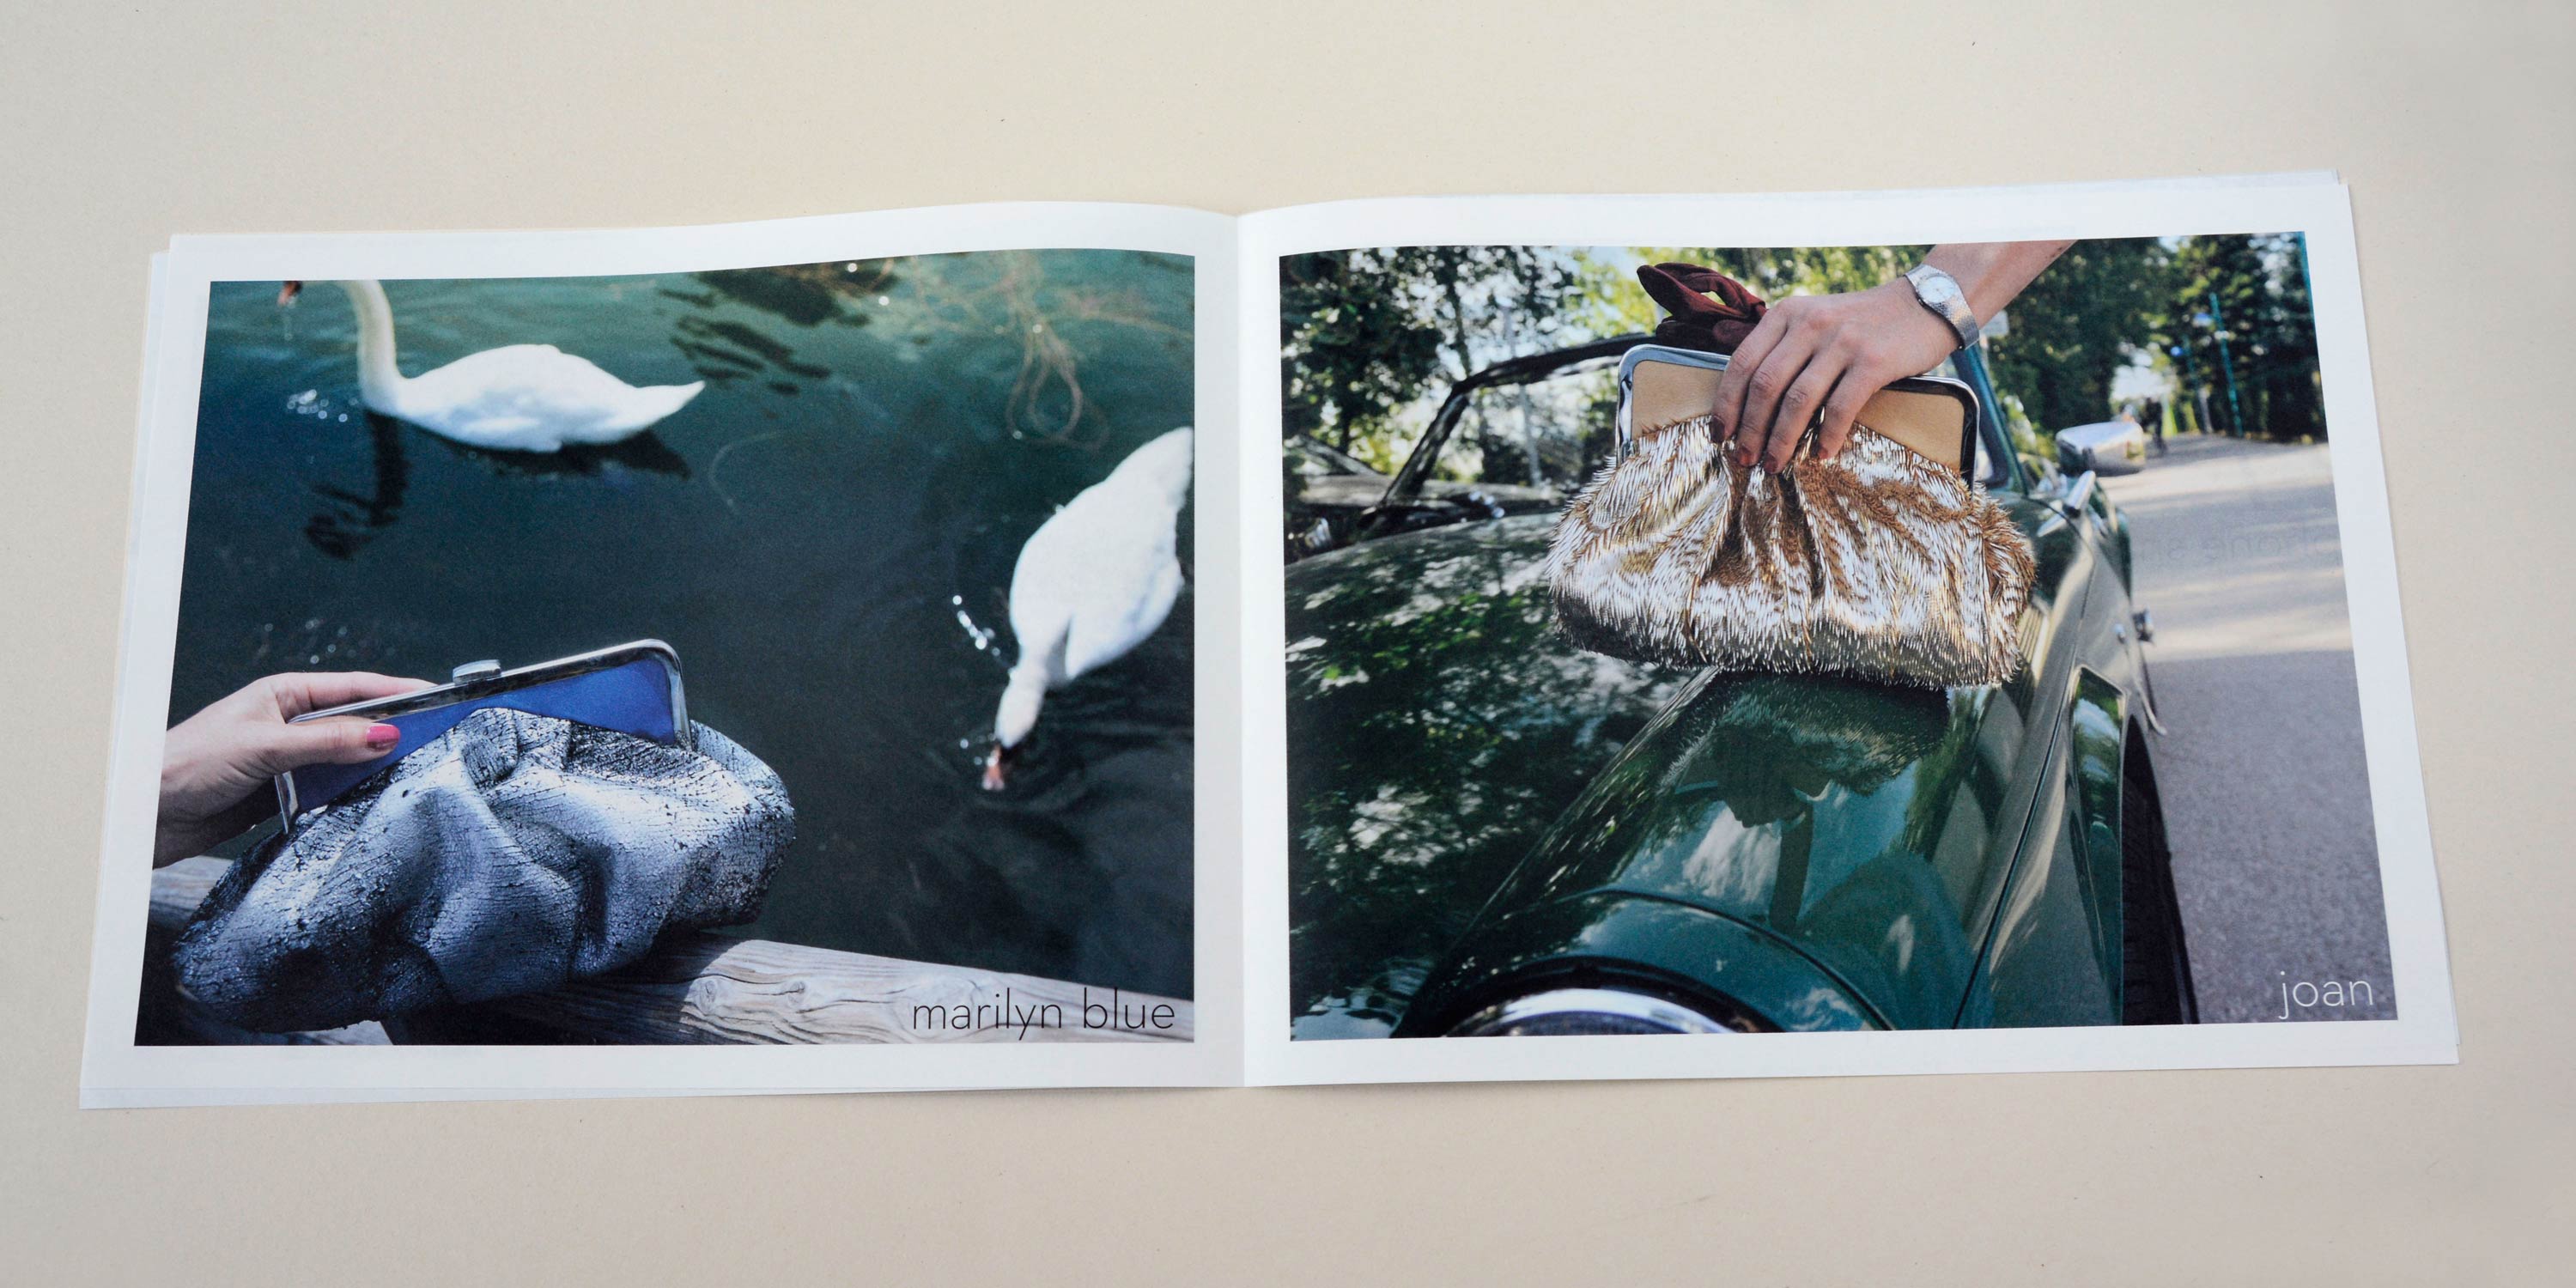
2073 455
2112 447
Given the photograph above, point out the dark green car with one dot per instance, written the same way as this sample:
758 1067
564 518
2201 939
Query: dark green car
1495 832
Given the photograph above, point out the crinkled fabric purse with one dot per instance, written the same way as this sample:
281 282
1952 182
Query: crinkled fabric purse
510 854
1887 563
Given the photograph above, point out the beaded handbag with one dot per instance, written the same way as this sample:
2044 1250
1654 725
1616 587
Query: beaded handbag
1887 563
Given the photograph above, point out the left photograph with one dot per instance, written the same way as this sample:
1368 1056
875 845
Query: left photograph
776 655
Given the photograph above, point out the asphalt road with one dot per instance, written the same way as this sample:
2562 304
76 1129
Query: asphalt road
2267 799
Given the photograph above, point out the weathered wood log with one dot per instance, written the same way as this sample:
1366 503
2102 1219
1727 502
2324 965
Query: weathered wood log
702 988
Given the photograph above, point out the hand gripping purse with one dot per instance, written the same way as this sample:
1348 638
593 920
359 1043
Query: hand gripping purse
1887 563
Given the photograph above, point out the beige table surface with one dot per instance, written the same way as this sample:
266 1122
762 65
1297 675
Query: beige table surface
2453 122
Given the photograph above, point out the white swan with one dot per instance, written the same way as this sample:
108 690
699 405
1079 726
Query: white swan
1094 580
519 398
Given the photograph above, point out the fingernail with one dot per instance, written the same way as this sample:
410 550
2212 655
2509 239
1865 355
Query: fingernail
382 736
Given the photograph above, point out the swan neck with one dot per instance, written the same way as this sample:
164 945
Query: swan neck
378 377
1021 699
1160 469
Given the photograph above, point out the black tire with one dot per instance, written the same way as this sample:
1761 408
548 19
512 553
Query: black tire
2154 957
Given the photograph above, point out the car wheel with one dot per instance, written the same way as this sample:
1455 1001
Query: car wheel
2157 964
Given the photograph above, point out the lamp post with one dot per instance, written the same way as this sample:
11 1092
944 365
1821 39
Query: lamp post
2235 409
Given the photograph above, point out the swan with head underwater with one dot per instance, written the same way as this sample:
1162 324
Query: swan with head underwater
1096 578
518 398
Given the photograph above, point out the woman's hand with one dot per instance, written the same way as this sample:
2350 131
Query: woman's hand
1830 353
216 766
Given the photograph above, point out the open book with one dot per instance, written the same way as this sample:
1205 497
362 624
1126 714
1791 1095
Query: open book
1081 645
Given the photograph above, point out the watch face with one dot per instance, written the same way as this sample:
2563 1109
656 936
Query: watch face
1940 290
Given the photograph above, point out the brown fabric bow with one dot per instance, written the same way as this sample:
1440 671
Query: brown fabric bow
1708 310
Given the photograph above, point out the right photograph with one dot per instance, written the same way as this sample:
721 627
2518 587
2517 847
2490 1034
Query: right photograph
1697 640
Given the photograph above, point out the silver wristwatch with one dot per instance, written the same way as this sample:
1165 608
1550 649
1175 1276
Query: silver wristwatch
1940 293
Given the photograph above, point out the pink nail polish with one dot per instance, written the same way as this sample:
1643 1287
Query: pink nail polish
382 736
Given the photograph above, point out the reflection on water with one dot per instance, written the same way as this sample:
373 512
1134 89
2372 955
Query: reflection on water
347 519
826 535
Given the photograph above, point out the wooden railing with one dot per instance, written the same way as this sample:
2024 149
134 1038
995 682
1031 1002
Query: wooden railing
697 988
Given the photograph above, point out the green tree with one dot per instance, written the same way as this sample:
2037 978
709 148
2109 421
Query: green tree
1363 333
2075 326
2260 281
1366 334
1608 300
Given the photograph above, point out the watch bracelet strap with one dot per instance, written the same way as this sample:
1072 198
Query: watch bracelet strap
1958 316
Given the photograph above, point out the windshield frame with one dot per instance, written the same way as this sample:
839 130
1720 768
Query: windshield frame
2009 473
1527 370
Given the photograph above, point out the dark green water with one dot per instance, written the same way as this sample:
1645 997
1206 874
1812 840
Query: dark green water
826 534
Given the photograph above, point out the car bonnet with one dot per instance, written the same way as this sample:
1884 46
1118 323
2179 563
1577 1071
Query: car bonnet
1437 725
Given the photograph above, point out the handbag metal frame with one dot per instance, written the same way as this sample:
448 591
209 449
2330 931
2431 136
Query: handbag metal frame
475 681
1624 431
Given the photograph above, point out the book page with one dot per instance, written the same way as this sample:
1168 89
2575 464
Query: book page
1688 754
783 656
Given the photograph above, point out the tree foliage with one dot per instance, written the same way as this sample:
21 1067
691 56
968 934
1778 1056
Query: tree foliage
2268 321
1610 301
1363 333
1367 335
2074 327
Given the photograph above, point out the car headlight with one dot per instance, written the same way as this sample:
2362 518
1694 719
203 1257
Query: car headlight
1565 1012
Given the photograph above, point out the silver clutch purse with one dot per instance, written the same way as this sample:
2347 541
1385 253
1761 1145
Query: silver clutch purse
1887 563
